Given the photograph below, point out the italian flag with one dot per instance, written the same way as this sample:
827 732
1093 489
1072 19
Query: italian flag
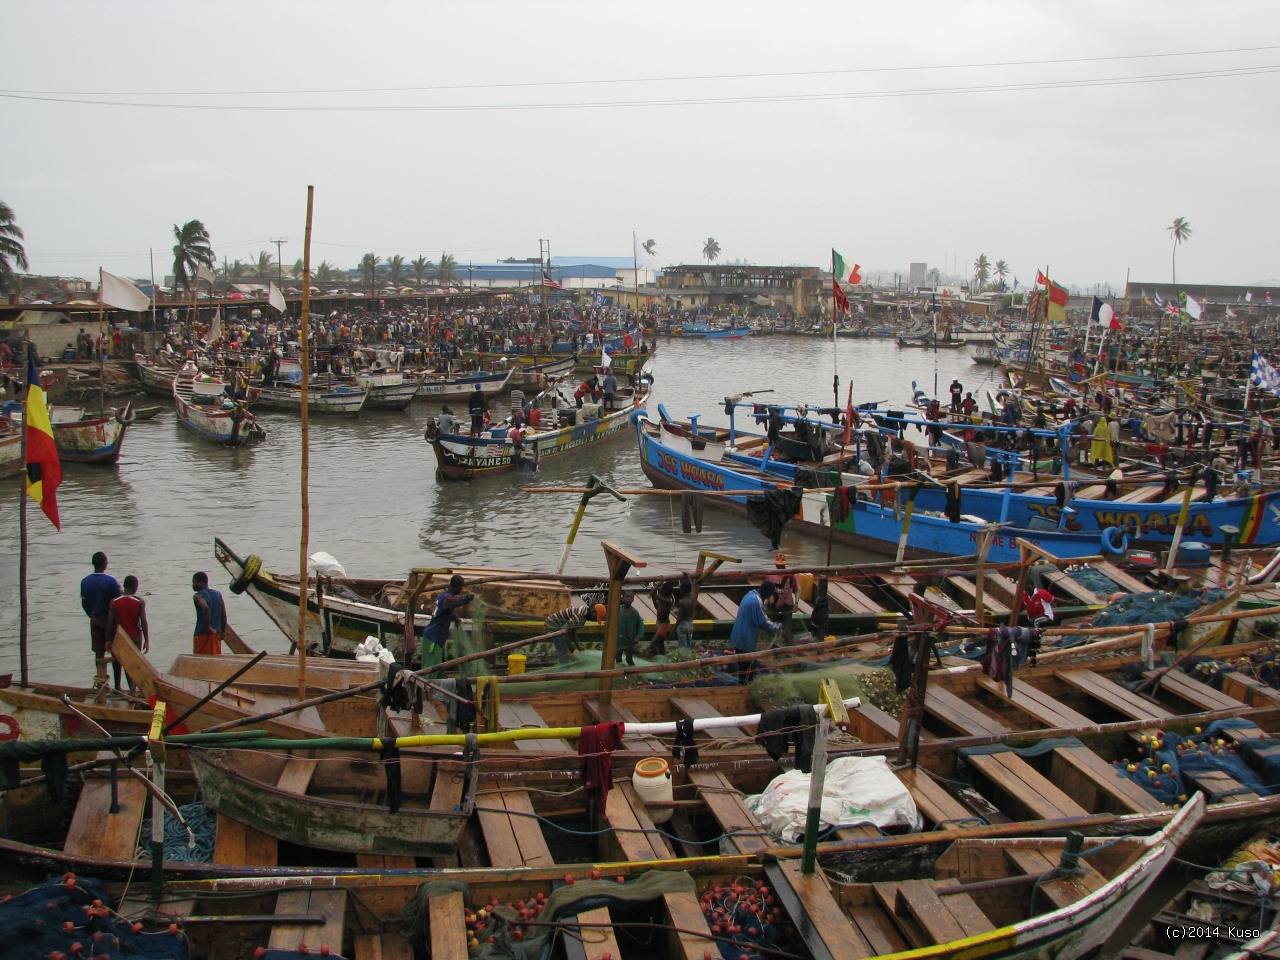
845 272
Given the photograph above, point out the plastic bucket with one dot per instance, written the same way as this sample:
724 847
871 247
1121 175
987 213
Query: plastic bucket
515 663
651 780
805 583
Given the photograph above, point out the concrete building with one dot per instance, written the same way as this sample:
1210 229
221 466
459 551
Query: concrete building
918 276
742 286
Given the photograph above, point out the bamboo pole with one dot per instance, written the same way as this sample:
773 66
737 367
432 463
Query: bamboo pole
306 453
23 606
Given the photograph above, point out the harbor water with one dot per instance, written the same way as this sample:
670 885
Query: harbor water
377 507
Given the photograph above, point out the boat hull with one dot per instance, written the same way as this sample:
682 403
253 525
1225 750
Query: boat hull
343 400
442 389
95 440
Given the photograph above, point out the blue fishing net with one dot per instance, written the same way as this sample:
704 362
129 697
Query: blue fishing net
204 826
33 926
1156 606
1094 580
1169 763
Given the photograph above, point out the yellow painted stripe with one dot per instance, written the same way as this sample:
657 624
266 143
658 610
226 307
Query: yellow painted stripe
968 948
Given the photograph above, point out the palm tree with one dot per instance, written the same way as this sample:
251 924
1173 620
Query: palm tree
711 249
190 251
323 273
422 268
297 270
650 247
395 269
369 270
1180 230
446 270
238 270
981 271
11 248
1001 270
265 265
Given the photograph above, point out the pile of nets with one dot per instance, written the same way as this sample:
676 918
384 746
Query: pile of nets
1157 606
1168 762
1263 665
1094 580
748 915
200 820
69 918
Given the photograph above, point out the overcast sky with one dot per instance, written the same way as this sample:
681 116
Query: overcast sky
780 129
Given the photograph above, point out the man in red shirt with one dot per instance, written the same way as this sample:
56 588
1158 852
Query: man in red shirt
128 613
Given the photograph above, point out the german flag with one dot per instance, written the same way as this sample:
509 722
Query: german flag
44 471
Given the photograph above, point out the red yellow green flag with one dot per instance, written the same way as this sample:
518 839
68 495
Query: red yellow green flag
44 470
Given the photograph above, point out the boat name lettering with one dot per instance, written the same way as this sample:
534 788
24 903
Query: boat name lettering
1161 523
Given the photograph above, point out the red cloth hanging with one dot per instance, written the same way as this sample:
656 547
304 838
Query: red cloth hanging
595 746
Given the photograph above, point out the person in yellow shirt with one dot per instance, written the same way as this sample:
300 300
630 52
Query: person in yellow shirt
1100 450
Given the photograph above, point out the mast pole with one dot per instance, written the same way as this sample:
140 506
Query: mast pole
306 455
835 343
22 530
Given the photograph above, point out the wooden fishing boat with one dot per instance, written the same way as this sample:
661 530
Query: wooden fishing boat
205 409
334 803
10 449
389 389
157 373
460 457
84 438
321 398
443 387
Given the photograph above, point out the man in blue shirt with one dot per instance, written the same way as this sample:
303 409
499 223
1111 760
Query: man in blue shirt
96 593
750 621
211 616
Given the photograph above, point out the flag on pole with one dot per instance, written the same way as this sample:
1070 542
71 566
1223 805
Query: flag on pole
549 283
605 359
1056 310
276 299
1159 301
599 299
118 292
203 274
1230 314
1193 308
1248 297
1105 315
215 328
44 470
1173 310
842 302
1264 375
845 272
642 256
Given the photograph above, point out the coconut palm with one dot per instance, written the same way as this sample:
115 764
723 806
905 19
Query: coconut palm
981 271
446 270
422 268
369 271
1180 230
1000 271
711 249
238 270
650 247
297 270
323 273
265 265
395 269
190 252
11 249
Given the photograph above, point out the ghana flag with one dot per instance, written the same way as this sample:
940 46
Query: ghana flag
44 471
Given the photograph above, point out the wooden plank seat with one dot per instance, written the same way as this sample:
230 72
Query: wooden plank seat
240 844
446 794
717 605
1063 891
648 613
968 590
296 775
617 713
744 831
1068 586
960 714
942 916
97 832
816 913
1110 693
998 585
1221 787
1037 704
1144 494
1249 690
1123 579
932 799
594 942
448 927
511 832
881 725
1097 785
1196 694
853 600
1032 795
391 946
633 830
385 861
522 716
330 904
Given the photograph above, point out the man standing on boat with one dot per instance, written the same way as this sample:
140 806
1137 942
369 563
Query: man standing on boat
957 390
97 590
750 621
610 386
436 633
476 406
128 613
211 616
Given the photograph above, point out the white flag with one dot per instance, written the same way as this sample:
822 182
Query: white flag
643 257
1192 308
203 273
276 298
1248 297
118 292
215 328
1231 314
605 359
1264 375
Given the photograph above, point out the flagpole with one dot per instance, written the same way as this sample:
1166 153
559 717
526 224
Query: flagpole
306 458
835 343
635 273
22 532
102 402
152 254
1248 384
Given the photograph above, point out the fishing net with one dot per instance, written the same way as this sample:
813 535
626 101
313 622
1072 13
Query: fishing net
70 918
1157 606
512 931
1263 665
772 691
203 824
1093 580
1168 764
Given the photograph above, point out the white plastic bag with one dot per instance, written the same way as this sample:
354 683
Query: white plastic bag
856 790
324 565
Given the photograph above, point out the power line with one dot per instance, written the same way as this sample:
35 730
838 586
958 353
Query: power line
683 101
659 79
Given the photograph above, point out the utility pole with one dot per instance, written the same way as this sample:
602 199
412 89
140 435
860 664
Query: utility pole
279 263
